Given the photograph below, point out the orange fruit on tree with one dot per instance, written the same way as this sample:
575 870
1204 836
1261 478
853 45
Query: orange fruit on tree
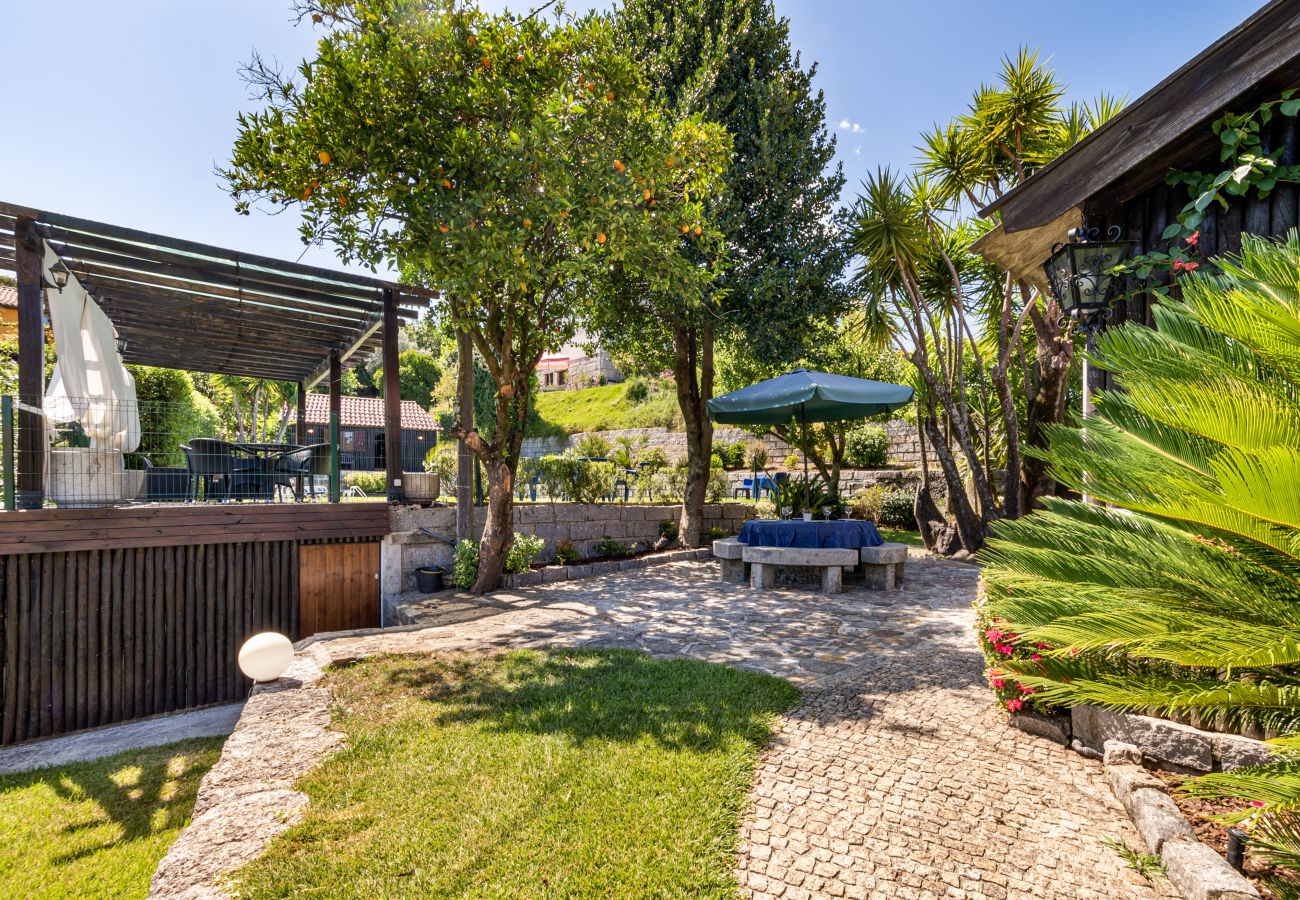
325 157
564 214
618 166
446 182
317 18
609 95
443 228
600 238
670 162
519 58
686 229
698 231
472 39
528 223
485 62
647 193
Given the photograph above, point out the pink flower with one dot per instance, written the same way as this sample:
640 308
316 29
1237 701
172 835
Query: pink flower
998 683
1027 690
1035 656
1015 705
993 635
1074 651
1258 803
1183 265
1041 646
1195 238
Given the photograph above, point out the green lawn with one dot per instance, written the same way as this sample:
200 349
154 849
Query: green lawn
604 409
901 536
97 829
597 773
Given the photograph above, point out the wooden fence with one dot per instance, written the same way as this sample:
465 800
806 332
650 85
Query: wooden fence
99 634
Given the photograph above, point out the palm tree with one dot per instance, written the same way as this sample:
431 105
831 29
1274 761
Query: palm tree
1184 598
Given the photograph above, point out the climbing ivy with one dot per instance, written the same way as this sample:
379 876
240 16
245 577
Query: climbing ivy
1249 169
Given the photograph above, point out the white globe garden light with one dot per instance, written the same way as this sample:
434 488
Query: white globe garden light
265 656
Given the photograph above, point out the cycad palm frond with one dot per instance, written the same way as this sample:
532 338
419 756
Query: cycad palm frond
1186 598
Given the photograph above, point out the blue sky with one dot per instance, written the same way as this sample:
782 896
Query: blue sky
125 108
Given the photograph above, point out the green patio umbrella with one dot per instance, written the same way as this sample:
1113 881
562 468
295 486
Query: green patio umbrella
804 396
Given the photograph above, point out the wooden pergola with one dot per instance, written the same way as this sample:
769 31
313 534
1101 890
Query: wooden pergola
183 305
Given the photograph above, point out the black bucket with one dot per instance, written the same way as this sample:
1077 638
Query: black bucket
429 579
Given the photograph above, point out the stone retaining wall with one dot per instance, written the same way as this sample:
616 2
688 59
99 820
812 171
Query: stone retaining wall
584 524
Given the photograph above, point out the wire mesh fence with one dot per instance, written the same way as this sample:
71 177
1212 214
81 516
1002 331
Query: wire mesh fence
86 453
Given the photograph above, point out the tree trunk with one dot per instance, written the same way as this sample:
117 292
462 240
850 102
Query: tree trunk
693 371
1046 406
499 529
970 527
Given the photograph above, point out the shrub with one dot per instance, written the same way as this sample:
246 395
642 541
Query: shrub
566 554
373 483
441 460
592 446
612 548
866 447
570 475
523 551
898 509
792 461
464 571
865 504
757 456
1180 600
716 533
717 488
668 530
636 390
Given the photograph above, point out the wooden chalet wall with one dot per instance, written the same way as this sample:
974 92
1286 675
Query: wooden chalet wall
1144 216
113 614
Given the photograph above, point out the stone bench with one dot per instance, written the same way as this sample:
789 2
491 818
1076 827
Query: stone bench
882 566
728 552
831 560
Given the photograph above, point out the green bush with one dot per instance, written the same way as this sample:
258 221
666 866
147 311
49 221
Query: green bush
757 456
636 390
464 571
865 504
866 447
441 460
375 484
171 412
717 488
523 551
569 475
792 461
717 533
566 554
668 530
593 446
612 548
898 509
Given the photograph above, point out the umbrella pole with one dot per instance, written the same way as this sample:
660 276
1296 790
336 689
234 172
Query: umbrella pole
803 421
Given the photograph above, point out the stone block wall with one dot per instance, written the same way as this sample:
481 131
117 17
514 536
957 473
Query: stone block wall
407 547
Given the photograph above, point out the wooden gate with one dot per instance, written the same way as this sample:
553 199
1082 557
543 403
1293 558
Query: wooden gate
338 587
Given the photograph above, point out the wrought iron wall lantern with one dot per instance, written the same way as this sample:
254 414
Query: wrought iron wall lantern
1081 274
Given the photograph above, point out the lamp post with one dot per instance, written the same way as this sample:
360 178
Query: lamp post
1081 274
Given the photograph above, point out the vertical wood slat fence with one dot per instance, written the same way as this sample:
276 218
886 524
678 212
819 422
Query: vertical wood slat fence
101 624
100 636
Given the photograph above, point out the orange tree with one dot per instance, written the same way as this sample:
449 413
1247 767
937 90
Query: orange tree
507 160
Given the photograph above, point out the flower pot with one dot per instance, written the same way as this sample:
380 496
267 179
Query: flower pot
807 517
421 485
85 476
428 579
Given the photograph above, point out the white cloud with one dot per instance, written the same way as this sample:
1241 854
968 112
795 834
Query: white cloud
857 151
850 127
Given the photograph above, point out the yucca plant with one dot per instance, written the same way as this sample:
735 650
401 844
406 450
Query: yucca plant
1182 596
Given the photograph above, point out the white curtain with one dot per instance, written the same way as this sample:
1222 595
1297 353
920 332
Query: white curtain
90 384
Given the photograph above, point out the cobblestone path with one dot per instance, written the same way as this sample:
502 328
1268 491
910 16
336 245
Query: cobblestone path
898 776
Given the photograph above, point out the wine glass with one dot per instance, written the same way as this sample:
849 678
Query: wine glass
826 513
787 512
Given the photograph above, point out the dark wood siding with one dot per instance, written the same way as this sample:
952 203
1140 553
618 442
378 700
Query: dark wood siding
1143 217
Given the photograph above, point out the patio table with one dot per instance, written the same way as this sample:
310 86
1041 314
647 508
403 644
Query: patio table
842 534
257 480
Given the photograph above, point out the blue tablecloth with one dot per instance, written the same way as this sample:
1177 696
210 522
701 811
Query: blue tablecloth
845 534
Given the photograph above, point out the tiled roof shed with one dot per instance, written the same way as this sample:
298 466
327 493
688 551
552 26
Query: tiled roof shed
366 412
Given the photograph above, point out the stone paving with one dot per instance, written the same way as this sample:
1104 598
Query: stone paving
896 777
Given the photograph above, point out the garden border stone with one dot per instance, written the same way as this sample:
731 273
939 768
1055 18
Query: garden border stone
1171 744
1195 869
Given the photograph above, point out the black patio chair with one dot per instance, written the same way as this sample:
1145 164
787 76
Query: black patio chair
212 467
163 483
291 467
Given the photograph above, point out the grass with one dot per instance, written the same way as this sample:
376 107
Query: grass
901 536
593 773
1146 865
97 829
604 409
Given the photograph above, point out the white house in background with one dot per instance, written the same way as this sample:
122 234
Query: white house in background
575 367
